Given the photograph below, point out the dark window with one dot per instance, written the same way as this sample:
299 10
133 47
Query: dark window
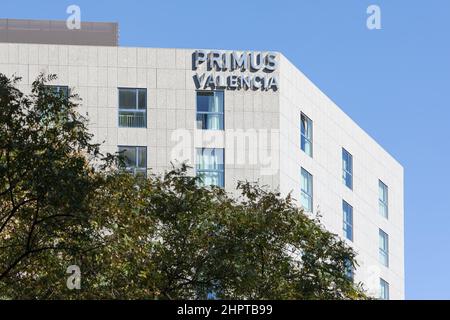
132 108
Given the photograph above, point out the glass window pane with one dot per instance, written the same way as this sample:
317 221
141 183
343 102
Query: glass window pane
60 90
347 160
210 166
127 99
130 100
205 101
306 202
135 159
384 290
347 168
142 99
306 190
383 241
129 156
201 121
384 248
306 146
380 191
218 101
64 91
210 159
211 178
383 199
348 220
213 121
142 157
383 210
130 119
383 192
306 126
347 179
207 121
303 124
349 269
306 134
210 107
304 181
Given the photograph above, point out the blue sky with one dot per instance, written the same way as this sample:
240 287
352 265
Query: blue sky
393 82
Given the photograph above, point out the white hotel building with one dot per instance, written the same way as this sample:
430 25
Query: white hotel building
232 116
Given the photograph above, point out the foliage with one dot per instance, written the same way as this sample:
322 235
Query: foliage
163 237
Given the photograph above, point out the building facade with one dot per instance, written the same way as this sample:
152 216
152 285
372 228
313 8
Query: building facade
237 116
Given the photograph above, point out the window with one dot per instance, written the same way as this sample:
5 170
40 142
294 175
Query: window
210 167
306 190
348 220
59 92
132 108
383 199
63 90
135 159
384 290
306 134
210 107
384 248
349 270
347 168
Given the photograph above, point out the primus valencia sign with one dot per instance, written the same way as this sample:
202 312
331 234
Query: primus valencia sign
236 70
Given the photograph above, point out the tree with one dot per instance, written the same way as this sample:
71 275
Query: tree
45 176
159 237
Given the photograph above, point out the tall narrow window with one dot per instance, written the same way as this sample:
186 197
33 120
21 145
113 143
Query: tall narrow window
210 106
383 199
347 168
384 290
384 248
132 108
306 130
135 159
348 220
349 270
210 167
306 190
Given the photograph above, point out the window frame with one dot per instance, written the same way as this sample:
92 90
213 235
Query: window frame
383 251
135 170
345 171
347 224
221 171
381 202
133 110
349 270
207 113
304 136
303 193
384 288
59 87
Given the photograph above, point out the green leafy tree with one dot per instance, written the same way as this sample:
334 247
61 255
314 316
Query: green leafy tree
161 237
45 178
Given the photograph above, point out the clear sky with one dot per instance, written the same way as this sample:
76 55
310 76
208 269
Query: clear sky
394 82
